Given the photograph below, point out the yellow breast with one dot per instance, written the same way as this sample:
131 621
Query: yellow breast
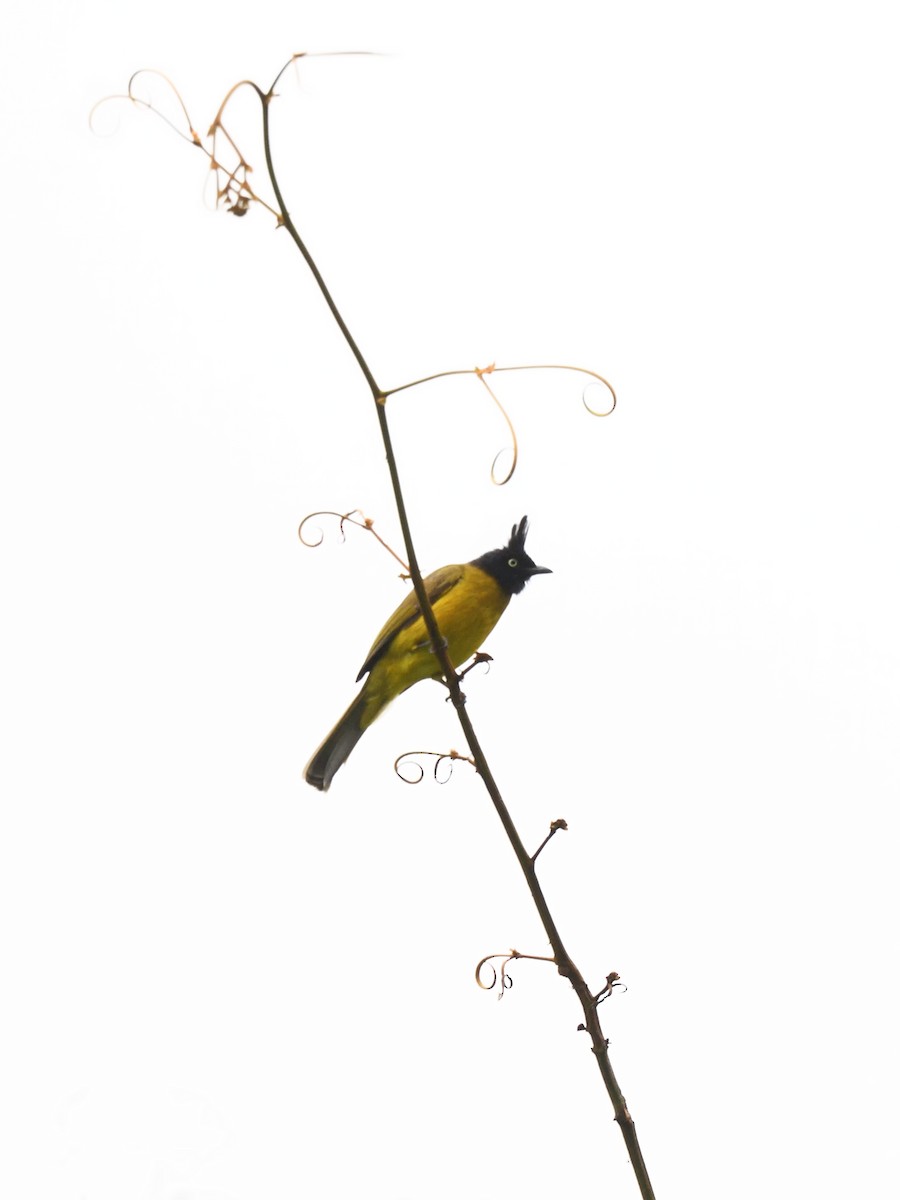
465 614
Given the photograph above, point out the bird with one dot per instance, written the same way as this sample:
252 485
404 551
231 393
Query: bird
468 600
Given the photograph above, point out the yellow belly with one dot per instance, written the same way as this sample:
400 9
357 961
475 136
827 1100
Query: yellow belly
465 614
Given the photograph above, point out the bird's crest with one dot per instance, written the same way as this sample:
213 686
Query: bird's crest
518 535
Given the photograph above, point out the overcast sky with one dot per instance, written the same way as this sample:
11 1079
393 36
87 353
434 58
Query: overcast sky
222 985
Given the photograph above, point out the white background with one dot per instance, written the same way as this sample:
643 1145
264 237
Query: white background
221 985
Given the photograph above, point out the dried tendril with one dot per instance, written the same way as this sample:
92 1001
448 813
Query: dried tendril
407 762
492 369
347 518
504 978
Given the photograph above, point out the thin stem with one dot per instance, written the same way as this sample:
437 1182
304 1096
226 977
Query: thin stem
266 98
564 963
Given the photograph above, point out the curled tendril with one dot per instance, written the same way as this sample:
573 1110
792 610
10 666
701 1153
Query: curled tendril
132 97
407 762
400 765
479 659
481 372
233 190
612 981
599 382
363 522
504 977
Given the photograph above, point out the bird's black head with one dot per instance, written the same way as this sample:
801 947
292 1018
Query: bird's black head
511 566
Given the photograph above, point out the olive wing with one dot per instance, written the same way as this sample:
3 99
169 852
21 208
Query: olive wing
437 584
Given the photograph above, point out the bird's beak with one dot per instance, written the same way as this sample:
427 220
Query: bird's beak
539 571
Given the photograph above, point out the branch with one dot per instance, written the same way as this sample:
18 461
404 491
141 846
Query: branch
564 963
238 194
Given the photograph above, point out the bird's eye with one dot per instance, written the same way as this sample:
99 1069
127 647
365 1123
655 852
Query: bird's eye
513 562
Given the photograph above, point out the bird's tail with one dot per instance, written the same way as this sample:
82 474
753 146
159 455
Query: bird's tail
337 747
